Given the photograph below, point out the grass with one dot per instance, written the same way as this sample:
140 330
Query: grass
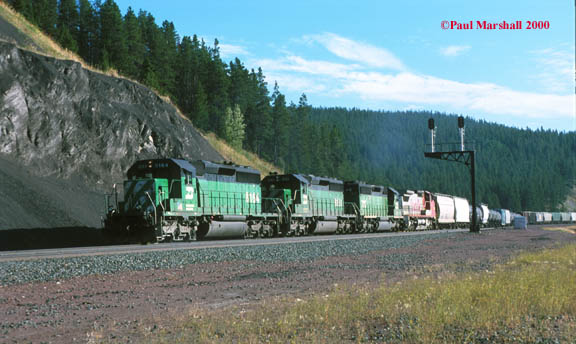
567 229
240 156
530 299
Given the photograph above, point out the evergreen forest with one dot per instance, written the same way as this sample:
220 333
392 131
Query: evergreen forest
519 169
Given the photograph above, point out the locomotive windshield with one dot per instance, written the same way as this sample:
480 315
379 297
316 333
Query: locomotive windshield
145 170
159 169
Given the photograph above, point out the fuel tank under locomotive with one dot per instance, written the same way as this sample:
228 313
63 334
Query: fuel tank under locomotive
222 227
326 225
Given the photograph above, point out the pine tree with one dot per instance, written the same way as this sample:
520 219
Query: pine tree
216 83
25 8
319 146
336 151
258 117
66 39
68 24
239 89
234 127
112 37
302 135
153 46
280 125
87 32
134 44
148 75
200 110
46 14
168 58
185 75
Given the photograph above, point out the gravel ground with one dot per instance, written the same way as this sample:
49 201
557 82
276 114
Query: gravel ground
104 297
64 268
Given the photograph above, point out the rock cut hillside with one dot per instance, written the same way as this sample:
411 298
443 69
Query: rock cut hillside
62 121
60 118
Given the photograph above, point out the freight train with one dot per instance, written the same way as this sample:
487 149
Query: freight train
180 200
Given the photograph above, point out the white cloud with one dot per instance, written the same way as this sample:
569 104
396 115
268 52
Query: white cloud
294 63
361 80
454 50
486 98
230 50
358 51
333 79
556 68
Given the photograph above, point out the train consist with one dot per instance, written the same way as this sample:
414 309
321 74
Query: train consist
179 200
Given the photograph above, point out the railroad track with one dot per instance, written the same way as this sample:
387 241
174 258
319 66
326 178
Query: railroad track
6 256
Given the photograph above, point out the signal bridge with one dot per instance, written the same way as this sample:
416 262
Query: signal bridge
462 152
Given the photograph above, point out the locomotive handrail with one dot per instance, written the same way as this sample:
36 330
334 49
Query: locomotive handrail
311 202
275 203
287 209
355 207
171 184
162 205
153 205
284 206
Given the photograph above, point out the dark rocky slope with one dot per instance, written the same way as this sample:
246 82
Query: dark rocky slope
76 130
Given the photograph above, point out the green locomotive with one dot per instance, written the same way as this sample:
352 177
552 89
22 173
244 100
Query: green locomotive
308 204
370 205
174 199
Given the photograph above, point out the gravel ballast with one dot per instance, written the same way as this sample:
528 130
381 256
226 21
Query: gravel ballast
64 268
115 297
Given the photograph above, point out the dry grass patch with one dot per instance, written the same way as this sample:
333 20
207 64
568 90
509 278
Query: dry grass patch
531 299
240 156
45 45
42 44
567 229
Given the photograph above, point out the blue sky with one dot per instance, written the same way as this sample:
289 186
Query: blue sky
386 55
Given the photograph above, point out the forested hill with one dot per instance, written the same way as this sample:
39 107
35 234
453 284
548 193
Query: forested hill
516 169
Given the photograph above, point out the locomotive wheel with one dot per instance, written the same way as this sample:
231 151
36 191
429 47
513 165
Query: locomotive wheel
301 230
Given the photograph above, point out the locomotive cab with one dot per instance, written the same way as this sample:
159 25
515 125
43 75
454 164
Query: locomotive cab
285 193
155 193
174 181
